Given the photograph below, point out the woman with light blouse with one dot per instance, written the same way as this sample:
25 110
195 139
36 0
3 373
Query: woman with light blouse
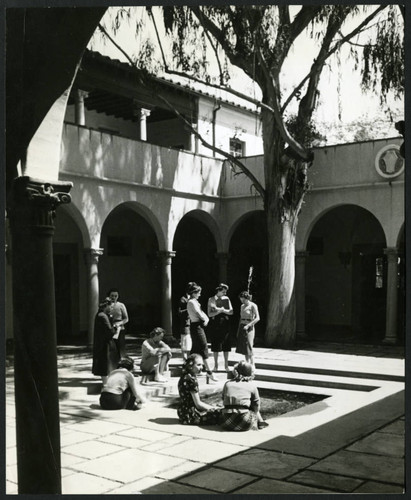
198 320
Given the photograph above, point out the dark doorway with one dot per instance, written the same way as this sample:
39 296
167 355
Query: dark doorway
248 249
195 260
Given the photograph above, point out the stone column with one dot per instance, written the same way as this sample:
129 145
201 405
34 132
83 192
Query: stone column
79 109
143 114
222 266
31 214
91 256
166 307
392 296
300 259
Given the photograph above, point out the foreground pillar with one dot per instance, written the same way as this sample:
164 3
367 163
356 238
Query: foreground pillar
392 296
166 307
300 259
92 256
31 215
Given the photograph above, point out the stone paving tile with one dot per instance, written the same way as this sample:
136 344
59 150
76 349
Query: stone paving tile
329 481
270 486
10 438
136 486
71 437
11 488
181 470
68 460
379 443
171 488
202 450
219 480
11 456
397 427
125 442
99 427
85 484
374 487
161 445
266 463
363 465
91 449
146 434
67 472
11 473
128 465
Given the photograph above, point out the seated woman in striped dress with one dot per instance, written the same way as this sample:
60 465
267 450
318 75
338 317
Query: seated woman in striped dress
241 401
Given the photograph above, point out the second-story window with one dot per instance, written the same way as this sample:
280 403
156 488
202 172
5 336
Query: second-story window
237 147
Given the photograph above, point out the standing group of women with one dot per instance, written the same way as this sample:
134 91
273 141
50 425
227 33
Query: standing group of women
194 321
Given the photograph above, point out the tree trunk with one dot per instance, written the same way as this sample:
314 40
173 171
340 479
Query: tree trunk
282 201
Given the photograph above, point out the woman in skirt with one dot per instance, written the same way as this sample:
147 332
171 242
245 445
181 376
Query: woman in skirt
193 411
241 401
199 320
249 316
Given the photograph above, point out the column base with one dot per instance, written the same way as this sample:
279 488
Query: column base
389 341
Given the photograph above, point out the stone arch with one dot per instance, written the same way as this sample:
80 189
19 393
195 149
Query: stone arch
72 210
345 275
130 262
208 220
236 223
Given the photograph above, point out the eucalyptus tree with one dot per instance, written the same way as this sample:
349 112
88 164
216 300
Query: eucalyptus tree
260 40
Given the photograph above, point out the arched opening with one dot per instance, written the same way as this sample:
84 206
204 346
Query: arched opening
248 248
195 260
346 277
70 280
130 263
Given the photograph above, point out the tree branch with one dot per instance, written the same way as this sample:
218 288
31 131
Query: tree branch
256 183
337 45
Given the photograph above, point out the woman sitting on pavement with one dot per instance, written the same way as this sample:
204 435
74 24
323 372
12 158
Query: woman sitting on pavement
241 401
120 391
192 411
155 355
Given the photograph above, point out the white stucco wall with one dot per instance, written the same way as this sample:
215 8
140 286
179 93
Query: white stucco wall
230 122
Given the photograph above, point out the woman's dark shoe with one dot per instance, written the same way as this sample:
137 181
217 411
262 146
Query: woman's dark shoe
211 377
262 424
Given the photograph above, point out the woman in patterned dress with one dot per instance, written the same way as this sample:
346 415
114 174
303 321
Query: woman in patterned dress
241 401
192 411
249 316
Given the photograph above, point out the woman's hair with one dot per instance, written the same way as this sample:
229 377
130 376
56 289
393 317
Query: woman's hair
113 290
127 363
190 285
219 288
194 289
243 371
190 362
104 304
157 331
245 295
223 285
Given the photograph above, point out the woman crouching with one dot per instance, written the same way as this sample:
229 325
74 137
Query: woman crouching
120 391
241 401
192 411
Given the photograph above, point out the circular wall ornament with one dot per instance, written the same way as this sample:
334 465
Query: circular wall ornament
388 162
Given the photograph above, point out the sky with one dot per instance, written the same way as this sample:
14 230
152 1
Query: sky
354 104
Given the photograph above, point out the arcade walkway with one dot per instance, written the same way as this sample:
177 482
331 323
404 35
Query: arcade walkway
351 441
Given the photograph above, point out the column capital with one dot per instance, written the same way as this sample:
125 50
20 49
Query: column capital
93 254
34 202
224 256
166 256
301 254
391 253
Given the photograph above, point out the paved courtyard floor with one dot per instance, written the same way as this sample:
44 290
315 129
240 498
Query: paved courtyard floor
350 442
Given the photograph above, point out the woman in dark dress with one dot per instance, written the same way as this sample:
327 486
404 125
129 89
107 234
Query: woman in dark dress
219 310
192 411
105 353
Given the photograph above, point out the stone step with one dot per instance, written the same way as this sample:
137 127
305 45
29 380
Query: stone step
312 379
